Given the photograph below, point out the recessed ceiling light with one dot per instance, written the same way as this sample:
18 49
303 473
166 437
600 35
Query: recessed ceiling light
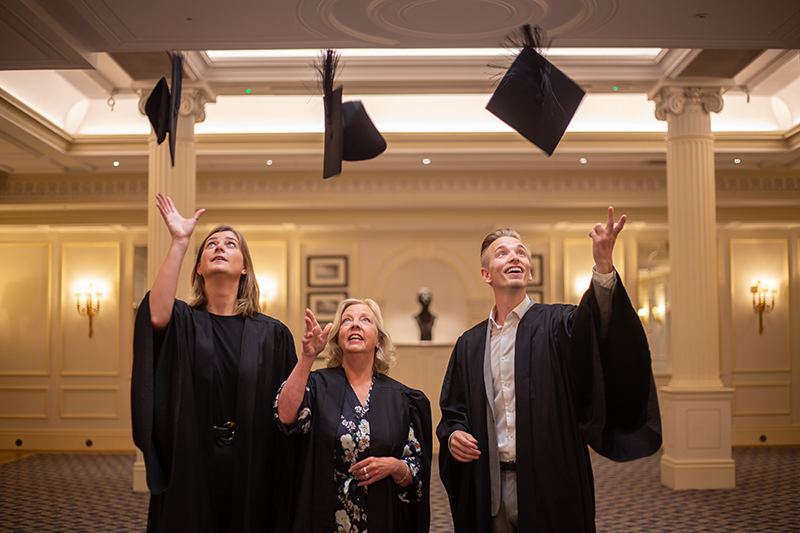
115 163
426 161
269 162
583 160
737 161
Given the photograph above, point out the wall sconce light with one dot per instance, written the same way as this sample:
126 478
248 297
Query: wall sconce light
581 284
760 304
267 288
86 305
658 313
643 315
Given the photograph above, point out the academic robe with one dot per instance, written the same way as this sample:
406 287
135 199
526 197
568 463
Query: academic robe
171 395
571 390
393 409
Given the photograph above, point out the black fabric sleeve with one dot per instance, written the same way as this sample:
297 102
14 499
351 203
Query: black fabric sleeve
613 381
420 415
453 402
154 394
456 477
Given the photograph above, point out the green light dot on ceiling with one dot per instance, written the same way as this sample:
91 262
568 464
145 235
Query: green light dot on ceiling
615 88
248 91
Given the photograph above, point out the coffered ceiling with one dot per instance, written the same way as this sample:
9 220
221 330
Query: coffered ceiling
61 62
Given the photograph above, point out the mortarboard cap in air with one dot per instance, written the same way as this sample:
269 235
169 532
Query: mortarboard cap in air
534 97
162 106
157 109
175 102
350 134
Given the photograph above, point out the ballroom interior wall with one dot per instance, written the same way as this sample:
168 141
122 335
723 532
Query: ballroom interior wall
398 231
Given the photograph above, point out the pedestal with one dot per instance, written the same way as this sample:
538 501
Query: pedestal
697 438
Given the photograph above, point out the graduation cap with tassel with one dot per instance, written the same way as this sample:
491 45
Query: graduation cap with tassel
350 134
534 97
162 106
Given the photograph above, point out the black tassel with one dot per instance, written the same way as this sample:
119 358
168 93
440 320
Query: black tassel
326 65
531 36
527 36
536 38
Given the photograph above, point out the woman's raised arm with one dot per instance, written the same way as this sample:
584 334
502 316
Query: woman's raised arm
165 286
293 391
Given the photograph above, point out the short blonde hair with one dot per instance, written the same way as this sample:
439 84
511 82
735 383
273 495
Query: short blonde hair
247 299
384 352
493 236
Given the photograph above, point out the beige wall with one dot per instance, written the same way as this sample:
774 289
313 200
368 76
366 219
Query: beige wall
59 388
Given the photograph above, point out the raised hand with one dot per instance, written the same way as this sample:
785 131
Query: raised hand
315 338
178 226
603 239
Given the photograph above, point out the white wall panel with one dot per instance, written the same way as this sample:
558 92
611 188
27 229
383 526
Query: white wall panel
89 402
25 308
762 399
98 355
765 260
23 402
270 262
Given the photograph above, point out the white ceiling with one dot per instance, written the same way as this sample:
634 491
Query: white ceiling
60 61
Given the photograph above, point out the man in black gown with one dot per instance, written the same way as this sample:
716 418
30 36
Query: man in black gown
526 391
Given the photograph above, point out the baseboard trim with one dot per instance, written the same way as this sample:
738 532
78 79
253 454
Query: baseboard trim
68 440
771 435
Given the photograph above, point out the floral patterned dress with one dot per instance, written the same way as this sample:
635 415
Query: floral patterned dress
353 434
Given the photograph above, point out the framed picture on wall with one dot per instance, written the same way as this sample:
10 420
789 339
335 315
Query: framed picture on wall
324 305
536 295
327 271
536 271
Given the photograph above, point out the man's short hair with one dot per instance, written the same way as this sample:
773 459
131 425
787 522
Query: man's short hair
493 236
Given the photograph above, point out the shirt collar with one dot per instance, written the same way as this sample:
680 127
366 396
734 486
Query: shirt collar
518 311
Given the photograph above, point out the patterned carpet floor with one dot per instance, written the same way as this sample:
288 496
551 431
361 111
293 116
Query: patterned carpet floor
92 493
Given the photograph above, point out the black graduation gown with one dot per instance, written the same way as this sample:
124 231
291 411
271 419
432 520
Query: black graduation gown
393 409
570 391
171 395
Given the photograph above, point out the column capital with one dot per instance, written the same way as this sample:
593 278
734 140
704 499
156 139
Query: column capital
193 100
675 100
193 103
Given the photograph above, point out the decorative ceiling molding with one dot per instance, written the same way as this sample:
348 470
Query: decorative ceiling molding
399 189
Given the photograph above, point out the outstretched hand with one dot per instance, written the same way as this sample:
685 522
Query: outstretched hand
603 239
315 338
178 226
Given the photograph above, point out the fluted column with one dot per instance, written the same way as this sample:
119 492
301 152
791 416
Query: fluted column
696 408
691 204
179 183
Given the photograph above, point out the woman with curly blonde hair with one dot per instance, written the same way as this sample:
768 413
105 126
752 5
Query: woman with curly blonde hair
371 431
204 375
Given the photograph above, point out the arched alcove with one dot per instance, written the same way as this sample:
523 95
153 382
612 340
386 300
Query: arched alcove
448 305
444 272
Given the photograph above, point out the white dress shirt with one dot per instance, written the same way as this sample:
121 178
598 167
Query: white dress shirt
502 346
503 341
